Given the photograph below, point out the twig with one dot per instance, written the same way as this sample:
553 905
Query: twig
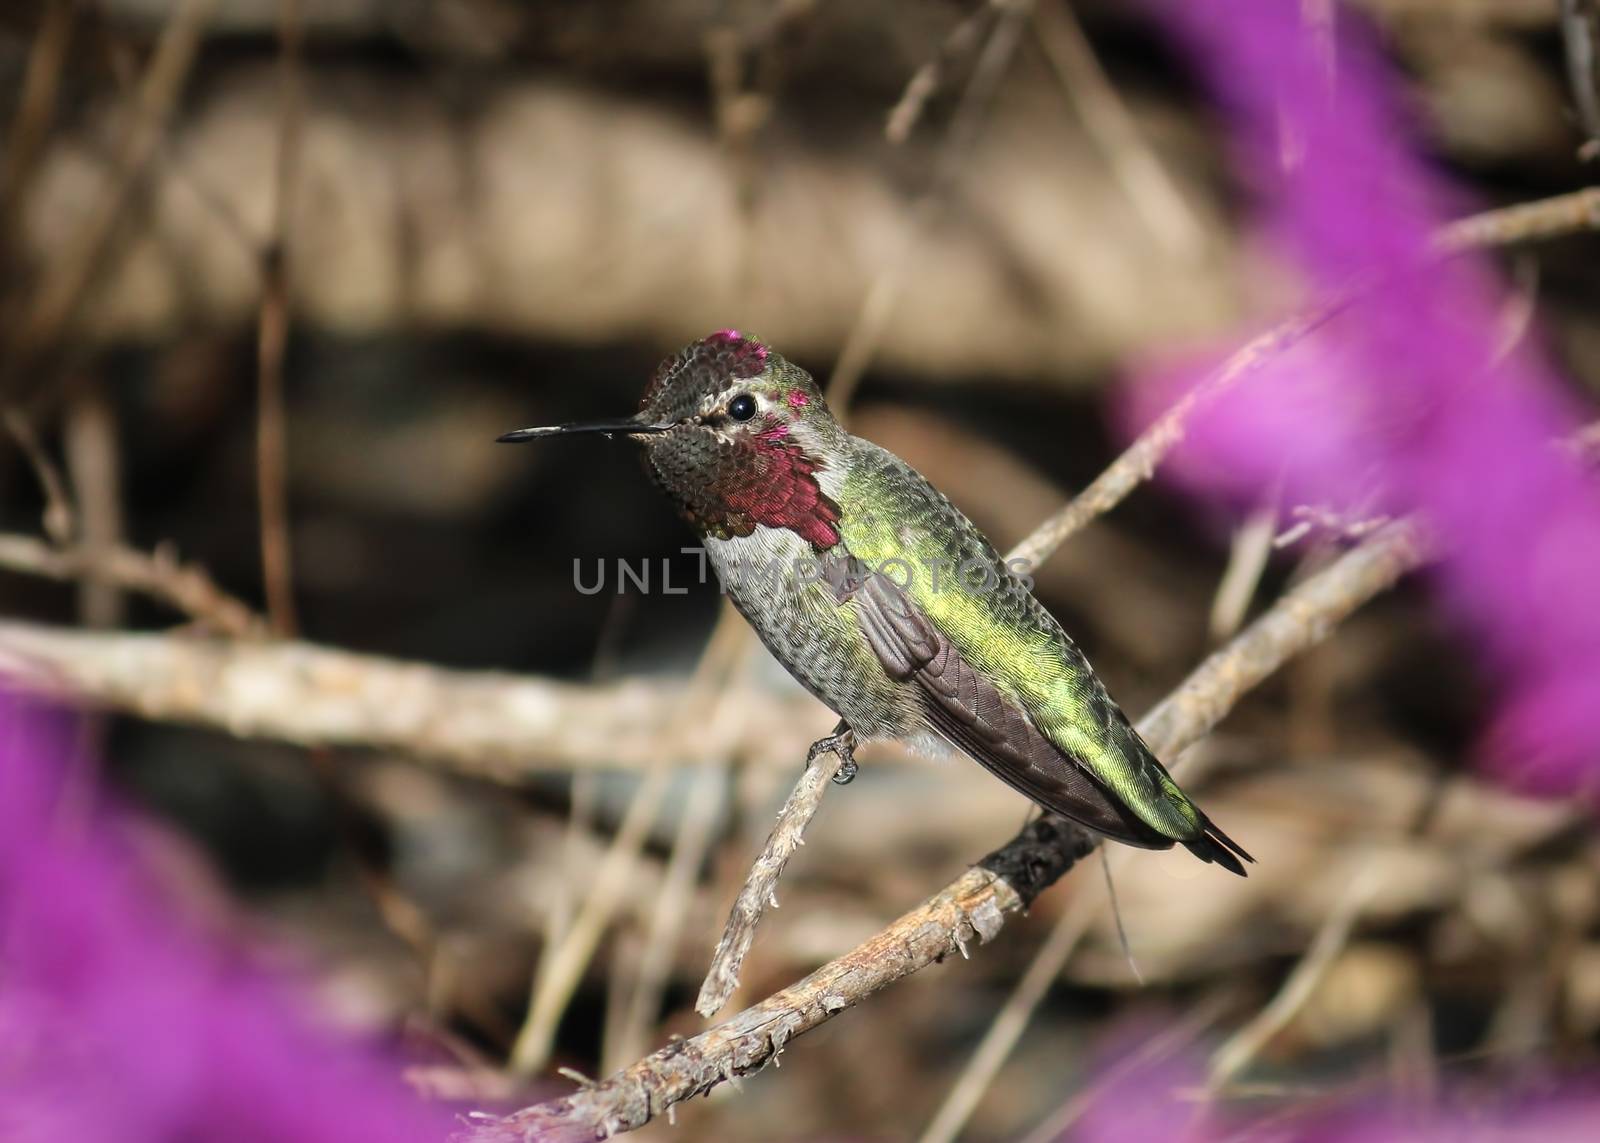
1245 1044
1247 560
1012 1019
57 300
862 341
1538 221
561 968
184 587
1580 28
1178 1034
1133 161
760 887
36 108
690 846
91 450
972 909
271 446
927 79
577 843
1138 462
622 967
59 520
1519 309
400 913
272 334
1526 222
976 906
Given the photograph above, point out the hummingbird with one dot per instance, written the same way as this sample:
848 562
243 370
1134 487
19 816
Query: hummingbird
884 601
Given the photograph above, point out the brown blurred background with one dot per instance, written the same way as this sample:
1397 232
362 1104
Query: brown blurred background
458 217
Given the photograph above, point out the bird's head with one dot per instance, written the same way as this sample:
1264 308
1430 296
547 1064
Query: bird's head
737 436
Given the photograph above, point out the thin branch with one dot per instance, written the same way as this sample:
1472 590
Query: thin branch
1525 222
690 845
761 885
184 587
1133 162
1013 1018
60 521
272 335
36 111
1138 462
91 448
1245 1044
1247 561
1538 221
1580 31
56 301
561 968
976 906
1177 1035
861 344
929 78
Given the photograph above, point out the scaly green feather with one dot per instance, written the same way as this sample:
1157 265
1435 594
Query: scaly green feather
890 513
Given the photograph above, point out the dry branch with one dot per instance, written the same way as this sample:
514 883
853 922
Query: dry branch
160 575
562 966
58 298
1135 465
483 724
1149 184
1539 221
1524 222
1247 1043
976 906
761 886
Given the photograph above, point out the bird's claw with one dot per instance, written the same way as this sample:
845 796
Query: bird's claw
843 743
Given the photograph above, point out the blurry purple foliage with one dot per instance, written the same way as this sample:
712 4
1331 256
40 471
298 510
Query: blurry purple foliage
1138 1096
1409 399
121 1020
1141 1094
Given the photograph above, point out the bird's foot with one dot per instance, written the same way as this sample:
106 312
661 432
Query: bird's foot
843 743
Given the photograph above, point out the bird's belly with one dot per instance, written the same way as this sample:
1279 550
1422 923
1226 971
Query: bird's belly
773 578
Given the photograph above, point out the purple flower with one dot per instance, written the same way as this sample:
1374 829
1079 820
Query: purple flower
121 1020
1409 399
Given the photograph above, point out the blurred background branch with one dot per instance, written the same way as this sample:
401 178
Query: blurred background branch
488 725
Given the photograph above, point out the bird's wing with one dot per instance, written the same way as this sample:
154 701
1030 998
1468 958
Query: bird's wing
995 673
969 710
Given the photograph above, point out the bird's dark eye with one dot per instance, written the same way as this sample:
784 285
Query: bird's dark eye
742 407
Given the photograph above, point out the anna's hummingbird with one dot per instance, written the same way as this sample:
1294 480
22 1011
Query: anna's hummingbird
884 601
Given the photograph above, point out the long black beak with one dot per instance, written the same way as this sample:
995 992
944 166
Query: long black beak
627 426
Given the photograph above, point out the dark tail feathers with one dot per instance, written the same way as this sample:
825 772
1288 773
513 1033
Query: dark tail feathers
1214 846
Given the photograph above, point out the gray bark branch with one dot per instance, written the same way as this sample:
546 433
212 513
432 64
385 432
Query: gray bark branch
484 724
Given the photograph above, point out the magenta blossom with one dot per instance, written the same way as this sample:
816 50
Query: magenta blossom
1410 399
119 1020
